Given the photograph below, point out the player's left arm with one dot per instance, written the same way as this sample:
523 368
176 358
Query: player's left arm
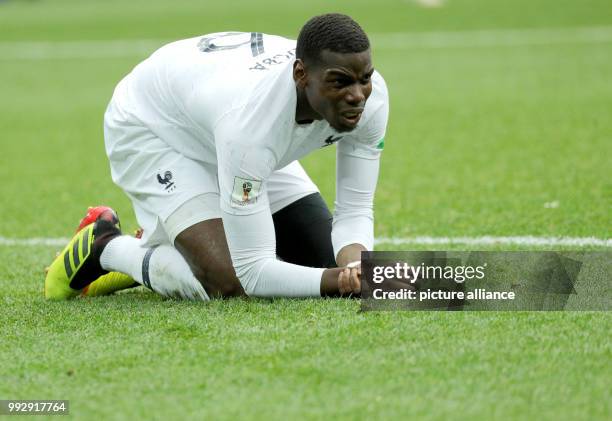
357 168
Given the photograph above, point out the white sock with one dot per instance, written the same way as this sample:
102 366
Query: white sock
162 269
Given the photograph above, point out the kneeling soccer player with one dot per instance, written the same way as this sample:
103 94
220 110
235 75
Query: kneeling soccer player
204 138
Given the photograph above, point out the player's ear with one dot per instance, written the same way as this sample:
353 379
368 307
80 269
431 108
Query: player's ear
299 73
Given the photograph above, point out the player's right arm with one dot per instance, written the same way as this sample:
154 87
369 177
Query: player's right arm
243 168
357 168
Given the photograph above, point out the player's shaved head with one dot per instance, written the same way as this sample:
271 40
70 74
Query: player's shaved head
332 71
335 32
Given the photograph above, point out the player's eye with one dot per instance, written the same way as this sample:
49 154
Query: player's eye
341 82
366 79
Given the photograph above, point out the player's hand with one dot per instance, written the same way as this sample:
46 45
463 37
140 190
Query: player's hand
349 280
341 281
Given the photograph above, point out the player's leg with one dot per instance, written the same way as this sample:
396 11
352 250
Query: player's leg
204 248
303 232
78 264
105 284
99 248
196 230
302 220
198 266
113 281
183 251
163 186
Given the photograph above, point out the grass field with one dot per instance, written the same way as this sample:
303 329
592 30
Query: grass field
486 128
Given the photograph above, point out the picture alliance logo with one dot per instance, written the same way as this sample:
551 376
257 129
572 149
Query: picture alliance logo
404 271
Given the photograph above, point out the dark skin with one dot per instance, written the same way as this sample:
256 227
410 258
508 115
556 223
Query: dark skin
335 88
205 249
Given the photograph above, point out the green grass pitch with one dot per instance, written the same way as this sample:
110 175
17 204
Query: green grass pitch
482 134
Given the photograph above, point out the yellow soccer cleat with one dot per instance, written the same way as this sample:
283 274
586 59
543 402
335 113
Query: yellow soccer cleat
78 265
113 281
109 283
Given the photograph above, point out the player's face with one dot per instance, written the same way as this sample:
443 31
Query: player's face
338 87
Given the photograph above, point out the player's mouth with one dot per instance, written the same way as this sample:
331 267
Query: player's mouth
351 117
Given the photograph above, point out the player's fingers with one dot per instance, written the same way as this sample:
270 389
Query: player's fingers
347 279
340 282
355 282
344 282
355 264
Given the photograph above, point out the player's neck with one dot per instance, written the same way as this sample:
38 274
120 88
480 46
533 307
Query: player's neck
304 114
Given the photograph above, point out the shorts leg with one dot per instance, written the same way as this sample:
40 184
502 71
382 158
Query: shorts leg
176 200
287 185
159 180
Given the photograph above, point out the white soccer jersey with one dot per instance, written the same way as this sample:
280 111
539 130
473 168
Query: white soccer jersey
229 99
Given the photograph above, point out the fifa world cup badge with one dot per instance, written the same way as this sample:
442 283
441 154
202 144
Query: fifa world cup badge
245 192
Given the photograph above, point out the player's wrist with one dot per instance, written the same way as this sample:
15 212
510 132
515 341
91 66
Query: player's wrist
329 282
339 282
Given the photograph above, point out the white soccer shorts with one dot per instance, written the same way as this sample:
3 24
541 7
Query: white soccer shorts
170 192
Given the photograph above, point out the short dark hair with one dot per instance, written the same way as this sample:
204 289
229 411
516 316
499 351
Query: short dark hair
335 32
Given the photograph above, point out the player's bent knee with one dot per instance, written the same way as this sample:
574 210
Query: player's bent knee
310 220
204 247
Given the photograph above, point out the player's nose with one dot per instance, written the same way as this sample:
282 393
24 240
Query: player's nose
356 95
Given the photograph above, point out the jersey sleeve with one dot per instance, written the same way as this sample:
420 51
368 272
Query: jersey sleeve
244 165
357 167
